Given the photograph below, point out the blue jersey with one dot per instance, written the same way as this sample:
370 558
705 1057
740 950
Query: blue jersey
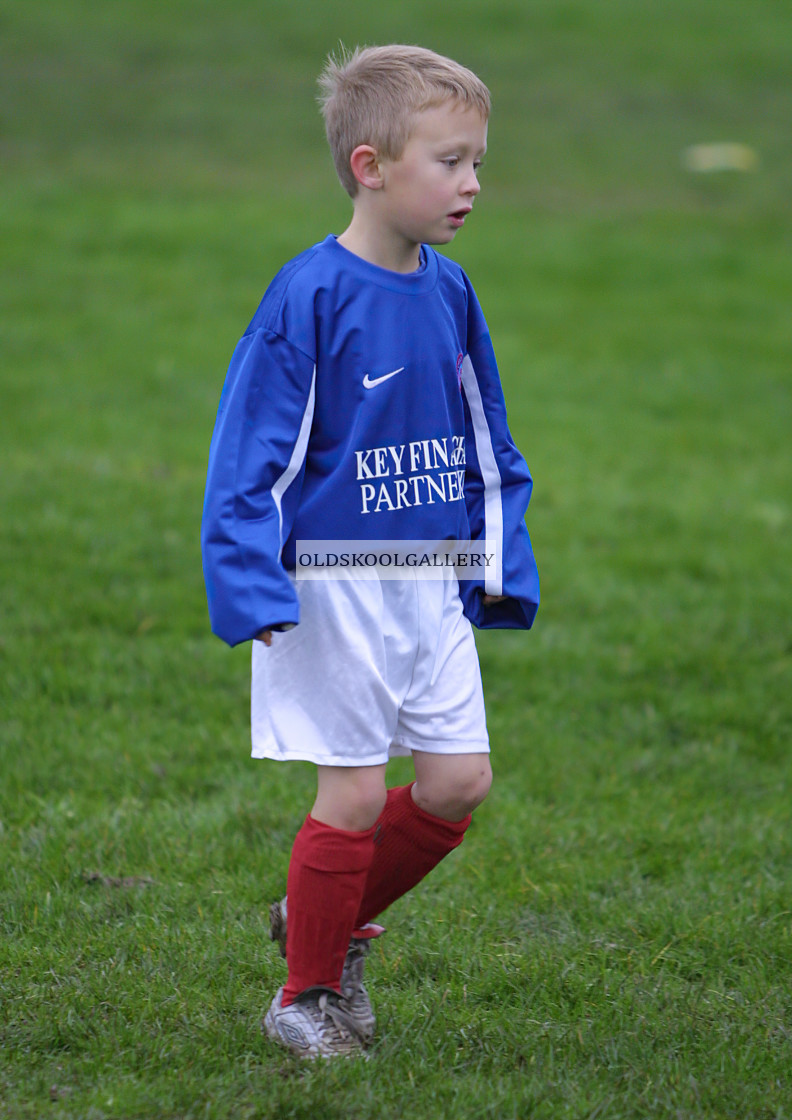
361 404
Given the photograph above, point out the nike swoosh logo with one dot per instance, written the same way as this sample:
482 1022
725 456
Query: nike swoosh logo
373 382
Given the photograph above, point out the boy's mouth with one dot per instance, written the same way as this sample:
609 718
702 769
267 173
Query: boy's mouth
457 219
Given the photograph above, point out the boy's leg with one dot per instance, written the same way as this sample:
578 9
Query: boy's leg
329 866
421 823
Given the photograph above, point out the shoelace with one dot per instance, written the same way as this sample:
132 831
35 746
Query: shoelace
339 1017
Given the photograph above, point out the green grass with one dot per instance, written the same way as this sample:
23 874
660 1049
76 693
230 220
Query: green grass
614 938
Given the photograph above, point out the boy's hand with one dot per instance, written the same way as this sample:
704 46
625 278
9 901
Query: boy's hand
490 599
265 636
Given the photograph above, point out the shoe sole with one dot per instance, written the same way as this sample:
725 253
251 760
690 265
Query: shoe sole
278 927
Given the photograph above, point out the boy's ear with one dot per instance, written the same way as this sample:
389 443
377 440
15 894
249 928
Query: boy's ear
365 164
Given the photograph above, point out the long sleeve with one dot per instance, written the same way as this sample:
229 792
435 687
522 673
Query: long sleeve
497 491
256 469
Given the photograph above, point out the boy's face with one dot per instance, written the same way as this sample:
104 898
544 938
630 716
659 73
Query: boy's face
430 189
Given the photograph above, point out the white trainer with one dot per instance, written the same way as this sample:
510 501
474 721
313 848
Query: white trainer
316 1025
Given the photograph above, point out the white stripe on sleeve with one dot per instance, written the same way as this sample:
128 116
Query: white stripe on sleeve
297 459
493 509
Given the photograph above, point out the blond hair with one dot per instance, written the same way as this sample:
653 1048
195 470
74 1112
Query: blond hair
371 95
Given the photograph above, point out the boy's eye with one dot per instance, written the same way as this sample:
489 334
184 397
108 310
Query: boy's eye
454 161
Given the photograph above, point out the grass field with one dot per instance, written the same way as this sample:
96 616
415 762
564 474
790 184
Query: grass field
614 939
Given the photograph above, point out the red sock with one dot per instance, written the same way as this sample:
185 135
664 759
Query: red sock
408 844
327 876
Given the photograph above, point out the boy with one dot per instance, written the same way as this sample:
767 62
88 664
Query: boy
363 404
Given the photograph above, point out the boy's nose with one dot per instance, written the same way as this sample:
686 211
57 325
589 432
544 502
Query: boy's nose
471 185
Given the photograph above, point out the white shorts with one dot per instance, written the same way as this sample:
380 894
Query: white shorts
374 669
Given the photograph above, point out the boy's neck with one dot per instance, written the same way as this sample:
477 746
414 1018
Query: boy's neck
377 245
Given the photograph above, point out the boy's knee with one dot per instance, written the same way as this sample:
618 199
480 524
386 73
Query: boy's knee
452 796
475 785
350 798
